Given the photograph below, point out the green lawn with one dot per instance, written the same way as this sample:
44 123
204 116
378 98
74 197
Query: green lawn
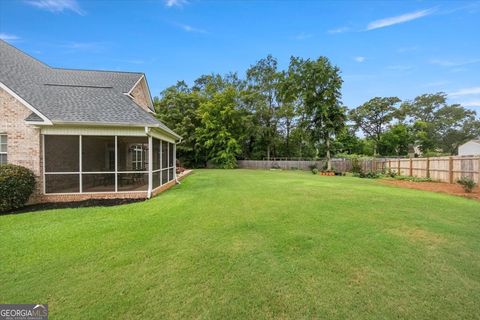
243 244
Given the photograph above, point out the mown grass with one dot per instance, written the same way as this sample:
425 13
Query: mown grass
245 244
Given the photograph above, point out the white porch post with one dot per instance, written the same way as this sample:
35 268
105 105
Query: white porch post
175 160
150 166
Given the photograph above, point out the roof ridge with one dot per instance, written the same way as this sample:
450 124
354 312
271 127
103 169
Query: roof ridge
27 54
77 85
97 70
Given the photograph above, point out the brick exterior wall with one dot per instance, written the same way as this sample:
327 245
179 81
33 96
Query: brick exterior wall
23 140
140 95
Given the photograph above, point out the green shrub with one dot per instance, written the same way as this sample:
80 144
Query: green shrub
367 175
315 171
16 186
390 173
467 183
356 165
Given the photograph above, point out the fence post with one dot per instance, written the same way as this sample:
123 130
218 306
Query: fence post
398 169
450 169
478 170
411 167
428 167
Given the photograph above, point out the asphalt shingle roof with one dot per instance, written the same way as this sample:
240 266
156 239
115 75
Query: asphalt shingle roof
73 96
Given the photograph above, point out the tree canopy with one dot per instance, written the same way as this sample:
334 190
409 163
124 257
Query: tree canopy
298 113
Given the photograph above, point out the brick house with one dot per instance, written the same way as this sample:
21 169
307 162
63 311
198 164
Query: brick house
85 134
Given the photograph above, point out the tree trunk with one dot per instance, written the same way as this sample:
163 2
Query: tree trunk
329 159
288 138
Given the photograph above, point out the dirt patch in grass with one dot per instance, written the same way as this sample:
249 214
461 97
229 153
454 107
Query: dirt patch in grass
419 235
449 188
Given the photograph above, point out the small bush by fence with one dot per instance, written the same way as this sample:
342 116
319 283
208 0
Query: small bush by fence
445 169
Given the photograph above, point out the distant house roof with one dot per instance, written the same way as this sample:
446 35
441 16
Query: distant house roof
66 96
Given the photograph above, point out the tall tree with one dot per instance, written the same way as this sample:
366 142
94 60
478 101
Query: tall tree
374 116
437 125
222 127
177 108
321 84
263 85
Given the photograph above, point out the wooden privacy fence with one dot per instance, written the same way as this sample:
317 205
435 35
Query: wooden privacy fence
445 169
338 164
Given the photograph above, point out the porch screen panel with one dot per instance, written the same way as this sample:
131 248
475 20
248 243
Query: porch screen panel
170 156
156 161
62 164
104 182
164 154
133 181
98 154
62 154
156 179
164 176
62 183
132 155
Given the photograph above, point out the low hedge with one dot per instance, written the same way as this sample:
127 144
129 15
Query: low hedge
17 184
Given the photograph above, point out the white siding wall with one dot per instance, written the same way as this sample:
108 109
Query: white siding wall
469 149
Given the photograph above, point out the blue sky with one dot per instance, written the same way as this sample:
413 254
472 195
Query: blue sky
402 48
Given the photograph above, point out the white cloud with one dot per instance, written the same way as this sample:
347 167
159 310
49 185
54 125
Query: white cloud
475 103
338 30
8 37
453 63
359 59
189 28
175 3
466 91
303 36
382 23
57 5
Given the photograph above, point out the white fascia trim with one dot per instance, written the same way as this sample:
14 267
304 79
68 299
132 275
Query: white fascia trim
25 103
149 95
164 135
37 123
150 101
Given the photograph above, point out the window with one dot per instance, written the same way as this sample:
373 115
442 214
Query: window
3 148
138 163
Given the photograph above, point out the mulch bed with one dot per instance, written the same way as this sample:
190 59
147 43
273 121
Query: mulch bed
450 188
76 204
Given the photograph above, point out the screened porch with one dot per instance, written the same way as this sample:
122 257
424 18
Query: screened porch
106 164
